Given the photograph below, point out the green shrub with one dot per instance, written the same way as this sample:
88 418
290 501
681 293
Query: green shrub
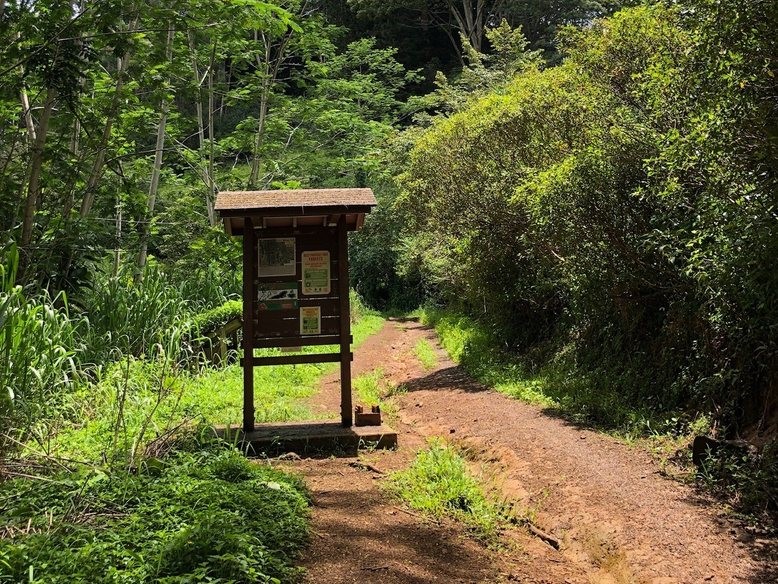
206 322
617 207
438 483
208 515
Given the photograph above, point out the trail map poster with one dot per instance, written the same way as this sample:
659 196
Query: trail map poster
310 320
316 272
277 257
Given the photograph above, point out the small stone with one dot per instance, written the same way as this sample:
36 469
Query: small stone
451 430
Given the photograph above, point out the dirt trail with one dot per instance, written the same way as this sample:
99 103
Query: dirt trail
617 519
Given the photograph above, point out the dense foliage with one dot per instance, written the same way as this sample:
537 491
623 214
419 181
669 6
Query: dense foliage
207 515
597 193
620 207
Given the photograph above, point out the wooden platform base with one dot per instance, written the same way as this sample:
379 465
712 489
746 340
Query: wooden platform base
308 438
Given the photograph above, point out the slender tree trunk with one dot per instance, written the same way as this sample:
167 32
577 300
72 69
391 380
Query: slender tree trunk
227 83
207 174
212 186
96 172
263 101
11 149
36 165
27 113
75 151
117 253
156 170
271 74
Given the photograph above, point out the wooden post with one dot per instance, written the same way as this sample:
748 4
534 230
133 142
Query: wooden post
249 297
345 325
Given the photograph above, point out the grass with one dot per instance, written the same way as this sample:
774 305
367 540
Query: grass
152 500
375 388
105 419
372 387
426 355
586 397
202 515
439 484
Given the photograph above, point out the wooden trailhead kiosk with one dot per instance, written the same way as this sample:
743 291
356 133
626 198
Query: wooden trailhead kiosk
295 277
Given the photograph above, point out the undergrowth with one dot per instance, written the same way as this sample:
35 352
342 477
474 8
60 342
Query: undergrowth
205 515
425 353
111 493
597 398
136 400
439 484
583 396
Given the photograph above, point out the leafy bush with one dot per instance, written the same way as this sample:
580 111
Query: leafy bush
618 208
746 481
209 515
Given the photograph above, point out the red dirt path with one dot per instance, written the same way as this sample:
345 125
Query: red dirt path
618 520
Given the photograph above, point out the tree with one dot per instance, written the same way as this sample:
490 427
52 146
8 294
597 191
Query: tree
467 19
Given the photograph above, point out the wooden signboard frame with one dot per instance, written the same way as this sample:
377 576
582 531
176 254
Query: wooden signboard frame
320 224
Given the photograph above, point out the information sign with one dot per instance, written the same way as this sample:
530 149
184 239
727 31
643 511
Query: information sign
316 272
310 320
277 257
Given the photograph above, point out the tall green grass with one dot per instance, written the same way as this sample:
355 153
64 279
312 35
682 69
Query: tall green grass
134 400
127 318
39 355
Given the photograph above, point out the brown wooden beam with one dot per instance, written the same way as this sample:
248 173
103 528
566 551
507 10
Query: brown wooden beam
281 342
298 359
346 415
249 298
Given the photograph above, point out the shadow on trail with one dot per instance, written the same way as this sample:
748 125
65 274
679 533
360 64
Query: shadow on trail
405 551
767 557
445 379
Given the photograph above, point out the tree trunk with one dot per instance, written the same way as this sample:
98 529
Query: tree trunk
27 113
212 191
97 166
263 101
227 74
117 253
271 74
36 165
207 174
155 172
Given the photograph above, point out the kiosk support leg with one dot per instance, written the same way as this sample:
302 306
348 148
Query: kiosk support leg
249 273
346 414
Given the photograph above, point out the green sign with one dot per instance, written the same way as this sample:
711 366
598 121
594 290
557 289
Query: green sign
310 320
316 272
